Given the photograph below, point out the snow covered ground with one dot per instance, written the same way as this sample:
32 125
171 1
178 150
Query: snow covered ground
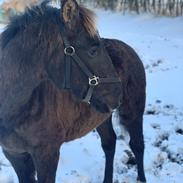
159 43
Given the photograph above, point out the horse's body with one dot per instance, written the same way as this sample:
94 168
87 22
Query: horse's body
32 134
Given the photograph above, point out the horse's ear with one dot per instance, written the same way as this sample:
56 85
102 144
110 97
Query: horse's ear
70 13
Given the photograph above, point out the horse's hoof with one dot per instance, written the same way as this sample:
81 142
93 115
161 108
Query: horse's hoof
141 180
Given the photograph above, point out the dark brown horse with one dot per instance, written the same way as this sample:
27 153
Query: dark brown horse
41 105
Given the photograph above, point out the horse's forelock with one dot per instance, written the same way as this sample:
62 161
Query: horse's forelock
88 19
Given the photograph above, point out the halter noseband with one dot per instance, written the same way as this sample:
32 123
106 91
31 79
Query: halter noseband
93 80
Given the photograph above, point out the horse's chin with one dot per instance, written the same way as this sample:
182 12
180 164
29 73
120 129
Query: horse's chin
100 106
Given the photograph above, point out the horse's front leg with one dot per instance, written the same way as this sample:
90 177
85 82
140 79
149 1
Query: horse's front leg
108 140
46 160
23 166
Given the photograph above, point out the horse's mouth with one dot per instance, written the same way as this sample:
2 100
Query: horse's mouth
101 106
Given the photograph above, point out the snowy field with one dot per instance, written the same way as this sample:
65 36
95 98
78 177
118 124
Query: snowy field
159 43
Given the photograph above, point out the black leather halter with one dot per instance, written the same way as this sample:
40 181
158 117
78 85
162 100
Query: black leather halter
93 80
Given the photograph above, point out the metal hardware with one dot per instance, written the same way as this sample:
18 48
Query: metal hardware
94 81
69 50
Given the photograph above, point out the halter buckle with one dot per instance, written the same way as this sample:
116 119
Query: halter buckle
94 81
70 50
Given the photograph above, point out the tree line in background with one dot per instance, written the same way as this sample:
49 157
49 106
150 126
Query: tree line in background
159 7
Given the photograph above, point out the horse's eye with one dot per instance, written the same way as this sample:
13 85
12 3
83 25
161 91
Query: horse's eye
93 52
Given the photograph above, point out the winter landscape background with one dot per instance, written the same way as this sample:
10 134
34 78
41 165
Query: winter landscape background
159 43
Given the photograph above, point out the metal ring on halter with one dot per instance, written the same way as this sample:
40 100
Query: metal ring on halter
94 81
69 50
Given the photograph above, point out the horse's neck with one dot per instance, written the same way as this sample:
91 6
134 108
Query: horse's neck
16 86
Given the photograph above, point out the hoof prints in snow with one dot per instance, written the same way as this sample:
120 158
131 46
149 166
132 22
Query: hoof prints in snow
165 124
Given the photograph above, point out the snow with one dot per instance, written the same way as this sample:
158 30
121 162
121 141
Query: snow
159 43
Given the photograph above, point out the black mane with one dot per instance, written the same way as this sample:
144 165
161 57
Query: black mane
42 15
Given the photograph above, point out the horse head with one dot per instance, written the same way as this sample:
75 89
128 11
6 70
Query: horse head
92 76
63 46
